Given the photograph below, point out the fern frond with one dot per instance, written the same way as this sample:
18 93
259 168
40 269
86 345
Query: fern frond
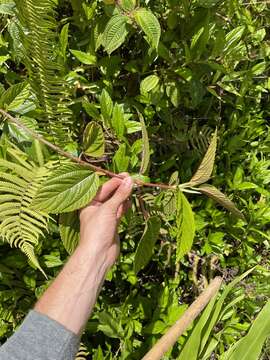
199 136
134 225
38 32
82 353
20 225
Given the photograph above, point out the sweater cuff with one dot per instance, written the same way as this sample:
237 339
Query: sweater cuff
40 337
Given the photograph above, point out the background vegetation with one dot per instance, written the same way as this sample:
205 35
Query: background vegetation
117 83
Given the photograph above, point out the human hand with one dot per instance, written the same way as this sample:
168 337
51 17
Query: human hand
100 219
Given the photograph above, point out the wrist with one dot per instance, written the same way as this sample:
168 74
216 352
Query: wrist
89 256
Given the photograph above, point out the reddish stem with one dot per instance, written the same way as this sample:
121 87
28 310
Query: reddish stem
75 158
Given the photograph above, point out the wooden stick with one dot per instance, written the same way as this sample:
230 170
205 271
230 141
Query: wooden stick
75 158
165 343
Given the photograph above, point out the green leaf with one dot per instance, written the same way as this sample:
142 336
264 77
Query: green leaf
132 126
250 346
69 226
199 337
259 68
173 92
115 33
196 37
232 38
70 187
146 148
106 106
63 40
221 199
3 59
91 109
109 326
118 121
52 261
120 159
93 140
149 24
185 226
140 177
15 96
205 169
149 83
90 9
98 355
19 134
127 5
84 58
146 245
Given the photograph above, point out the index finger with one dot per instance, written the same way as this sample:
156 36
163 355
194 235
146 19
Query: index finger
106 190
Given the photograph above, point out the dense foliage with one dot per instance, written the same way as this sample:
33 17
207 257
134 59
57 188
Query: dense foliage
160 89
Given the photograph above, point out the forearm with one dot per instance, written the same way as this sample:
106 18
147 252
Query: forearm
61 313
72 296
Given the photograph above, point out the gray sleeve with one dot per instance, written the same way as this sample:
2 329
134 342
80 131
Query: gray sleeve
40 338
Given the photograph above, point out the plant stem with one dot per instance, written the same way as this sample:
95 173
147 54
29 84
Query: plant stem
75 158
165 343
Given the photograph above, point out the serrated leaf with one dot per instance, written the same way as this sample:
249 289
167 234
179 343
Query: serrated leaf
146 148
221 199
185 226
146 245
85 58
17 132
69 226
149 24
70 187
15 96
93 140
169 203
115 33
149 83
204 171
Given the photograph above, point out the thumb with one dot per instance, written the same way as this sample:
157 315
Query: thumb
121 194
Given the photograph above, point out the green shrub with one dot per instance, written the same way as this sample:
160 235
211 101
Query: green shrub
158 89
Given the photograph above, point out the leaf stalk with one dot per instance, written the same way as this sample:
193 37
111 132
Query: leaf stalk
76 159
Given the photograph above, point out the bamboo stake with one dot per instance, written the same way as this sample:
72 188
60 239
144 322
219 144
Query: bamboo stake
165 343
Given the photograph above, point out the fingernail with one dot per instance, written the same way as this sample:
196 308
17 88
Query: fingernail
128 182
